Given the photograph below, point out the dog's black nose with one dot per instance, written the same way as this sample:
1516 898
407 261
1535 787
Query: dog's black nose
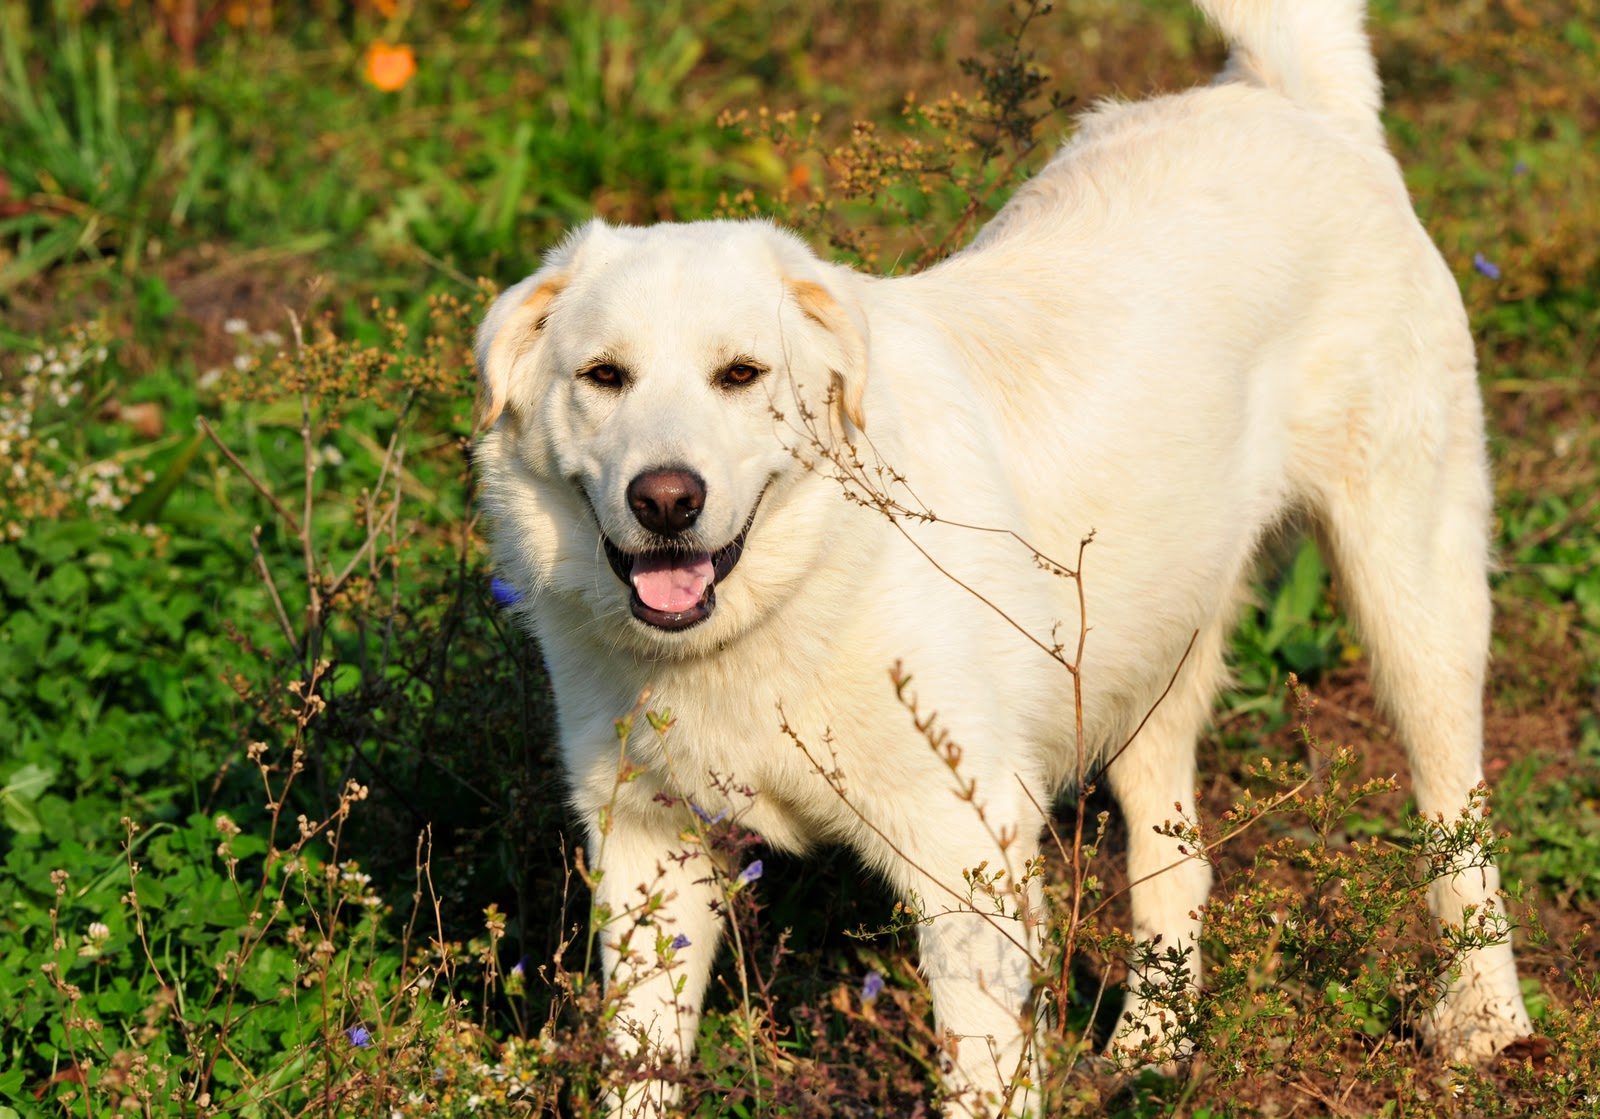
666 501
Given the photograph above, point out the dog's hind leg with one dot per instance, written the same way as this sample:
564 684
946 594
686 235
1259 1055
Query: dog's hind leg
1153 779
1404 508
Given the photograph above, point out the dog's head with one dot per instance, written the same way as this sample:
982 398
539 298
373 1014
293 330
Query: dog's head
645 393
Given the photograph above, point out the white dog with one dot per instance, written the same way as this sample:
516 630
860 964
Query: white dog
737 478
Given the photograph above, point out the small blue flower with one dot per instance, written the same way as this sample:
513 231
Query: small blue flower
872 987
749 874
520 968
504 593
706 818
1521 168
1486 266
679 943
359 1037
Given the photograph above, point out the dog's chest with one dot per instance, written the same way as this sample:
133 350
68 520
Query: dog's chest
775 752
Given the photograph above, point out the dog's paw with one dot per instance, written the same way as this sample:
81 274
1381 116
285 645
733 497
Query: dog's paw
1471 1024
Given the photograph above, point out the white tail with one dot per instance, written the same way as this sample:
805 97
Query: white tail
1314 52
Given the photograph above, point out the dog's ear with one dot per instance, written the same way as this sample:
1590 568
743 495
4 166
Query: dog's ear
508 331
847 326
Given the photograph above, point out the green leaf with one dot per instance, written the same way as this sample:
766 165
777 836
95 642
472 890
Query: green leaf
29 781
22 789
15 578
1303 657
19 814
51 690
147 506
66 583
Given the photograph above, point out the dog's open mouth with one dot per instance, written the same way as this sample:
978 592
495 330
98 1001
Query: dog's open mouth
673 588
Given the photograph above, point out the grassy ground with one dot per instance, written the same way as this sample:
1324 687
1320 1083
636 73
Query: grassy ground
280 828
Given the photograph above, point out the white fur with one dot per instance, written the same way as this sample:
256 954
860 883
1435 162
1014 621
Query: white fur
1210 312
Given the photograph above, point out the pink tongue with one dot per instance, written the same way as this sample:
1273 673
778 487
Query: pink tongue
672 583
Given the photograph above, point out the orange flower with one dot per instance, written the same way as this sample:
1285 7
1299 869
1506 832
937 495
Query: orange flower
390 68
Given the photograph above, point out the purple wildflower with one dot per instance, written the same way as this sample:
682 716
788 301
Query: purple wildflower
359 1037
1521 168
1486 266
504 593
872 987
749 874
679 943
520 968
705 817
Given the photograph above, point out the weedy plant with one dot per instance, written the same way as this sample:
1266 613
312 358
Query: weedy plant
224 959
275 1005
953 161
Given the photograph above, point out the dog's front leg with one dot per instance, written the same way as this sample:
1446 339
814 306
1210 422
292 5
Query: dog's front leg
658 922
976 941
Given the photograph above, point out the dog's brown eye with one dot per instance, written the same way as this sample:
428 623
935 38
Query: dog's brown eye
740 374
606 376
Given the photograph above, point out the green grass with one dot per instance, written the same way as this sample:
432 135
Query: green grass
256 238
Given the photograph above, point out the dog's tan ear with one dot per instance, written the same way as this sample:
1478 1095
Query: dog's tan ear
510 328
848 328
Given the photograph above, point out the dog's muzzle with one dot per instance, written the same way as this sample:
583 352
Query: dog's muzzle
674 588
